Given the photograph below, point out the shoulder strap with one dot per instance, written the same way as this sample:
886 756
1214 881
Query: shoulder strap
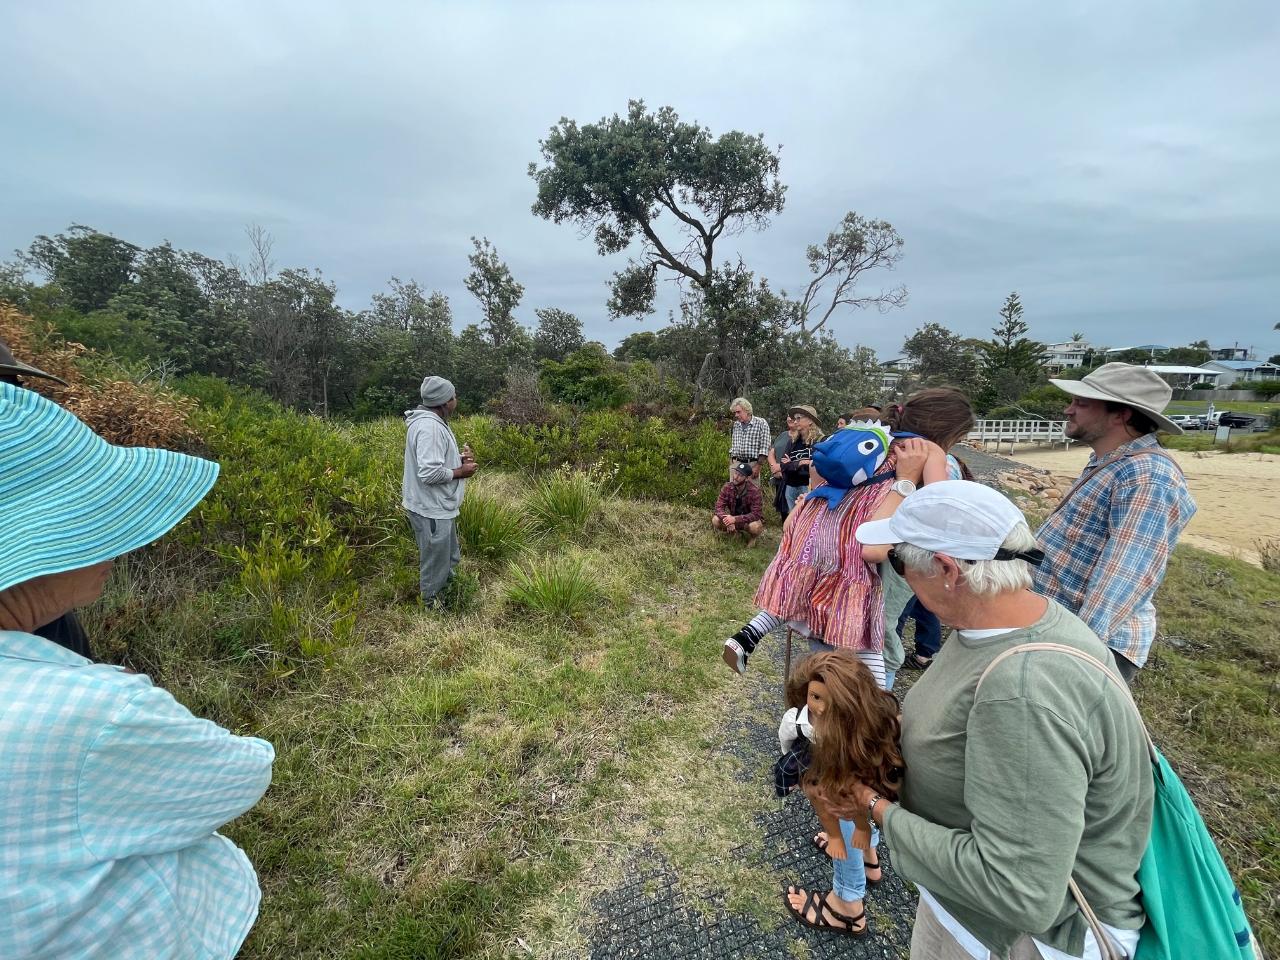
1079 655
1106 947
1079 484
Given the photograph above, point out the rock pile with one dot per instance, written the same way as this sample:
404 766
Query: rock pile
1040 483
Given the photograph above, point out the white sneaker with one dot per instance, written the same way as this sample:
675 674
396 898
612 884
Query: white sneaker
734 656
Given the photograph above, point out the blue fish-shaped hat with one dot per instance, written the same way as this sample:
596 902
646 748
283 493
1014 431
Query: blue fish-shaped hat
849 458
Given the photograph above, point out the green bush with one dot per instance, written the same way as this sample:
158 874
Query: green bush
1265 388
490 530
641 457
565 502
557 588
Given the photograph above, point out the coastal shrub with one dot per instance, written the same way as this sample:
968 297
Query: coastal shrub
1265 388
565 502
557 588
490 530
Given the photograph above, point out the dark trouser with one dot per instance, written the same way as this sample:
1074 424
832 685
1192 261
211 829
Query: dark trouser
67 632
780 497
438 553
928 628
1128 669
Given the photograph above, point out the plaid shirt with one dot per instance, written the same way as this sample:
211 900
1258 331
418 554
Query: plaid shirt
1107 547
750 440
110 793
743 503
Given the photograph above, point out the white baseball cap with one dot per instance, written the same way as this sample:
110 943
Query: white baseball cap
963 519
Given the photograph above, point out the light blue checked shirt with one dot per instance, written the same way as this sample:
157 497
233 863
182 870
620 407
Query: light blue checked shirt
110 793
1106 548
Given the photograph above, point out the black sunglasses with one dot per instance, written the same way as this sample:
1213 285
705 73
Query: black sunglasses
1035 557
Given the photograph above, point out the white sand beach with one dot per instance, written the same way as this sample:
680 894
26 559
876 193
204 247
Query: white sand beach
1237 494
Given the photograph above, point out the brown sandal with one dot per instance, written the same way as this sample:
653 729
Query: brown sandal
816 903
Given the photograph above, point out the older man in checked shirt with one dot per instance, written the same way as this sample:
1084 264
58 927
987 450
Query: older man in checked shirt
1108 542
750 442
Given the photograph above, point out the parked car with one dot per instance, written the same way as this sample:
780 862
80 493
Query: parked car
1189 421
1235 420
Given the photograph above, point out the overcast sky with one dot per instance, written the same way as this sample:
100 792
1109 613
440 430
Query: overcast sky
1116 163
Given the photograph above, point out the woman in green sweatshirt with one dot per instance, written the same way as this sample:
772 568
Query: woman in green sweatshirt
1011 790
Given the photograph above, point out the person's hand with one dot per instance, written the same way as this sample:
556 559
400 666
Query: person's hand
729 523
467 469
775 471
466 453
913 454
786 458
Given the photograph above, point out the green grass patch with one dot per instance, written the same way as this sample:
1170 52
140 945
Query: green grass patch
1268 442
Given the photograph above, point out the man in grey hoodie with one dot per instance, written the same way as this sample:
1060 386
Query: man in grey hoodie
435 477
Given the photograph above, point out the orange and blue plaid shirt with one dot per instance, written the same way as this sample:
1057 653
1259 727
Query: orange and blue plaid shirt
1107 547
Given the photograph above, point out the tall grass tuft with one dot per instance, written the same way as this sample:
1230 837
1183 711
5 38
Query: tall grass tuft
565 502
490 530
558 588
1269 553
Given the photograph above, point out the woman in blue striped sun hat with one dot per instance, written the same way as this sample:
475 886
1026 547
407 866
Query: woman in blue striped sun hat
110 790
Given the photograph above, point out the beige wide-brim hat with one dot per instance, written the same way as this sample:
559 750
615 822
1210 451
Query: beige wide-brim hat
1136 387
808 411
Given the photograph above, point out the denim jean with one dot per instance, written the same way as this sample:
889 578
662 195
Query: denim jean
928 629
793 494
849 880
889 677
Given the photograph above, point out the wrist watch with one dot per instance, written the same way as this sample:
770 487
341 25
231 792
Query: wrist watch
903 488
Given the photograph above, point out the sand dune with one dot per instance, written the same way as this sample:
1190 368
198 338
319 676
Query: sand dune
1237 494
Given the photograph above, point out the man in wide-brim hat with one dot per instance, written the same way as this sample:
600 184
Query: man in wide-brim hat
1107 542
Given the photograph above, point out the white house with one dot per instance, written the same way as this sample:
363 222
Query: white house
1180 377
892 371
1233 370
1230 353
1065 355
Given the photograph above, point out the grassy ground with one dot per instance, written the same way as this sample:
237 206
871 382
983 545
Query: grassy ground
459 784
1268 442
445 780
1235 406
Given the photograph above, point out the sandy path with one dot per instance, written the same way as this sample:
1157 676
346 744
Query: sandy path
1237 494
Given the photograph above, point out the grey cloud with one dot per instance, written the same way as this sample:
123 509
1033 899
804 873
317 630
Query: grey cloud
1115 164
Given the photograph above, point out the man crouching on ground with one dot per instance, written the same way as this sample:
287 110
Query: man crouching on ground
435 478
739 508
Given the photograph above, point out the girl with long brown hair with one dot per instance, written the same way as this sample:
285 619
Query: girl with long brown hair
855 740
943 416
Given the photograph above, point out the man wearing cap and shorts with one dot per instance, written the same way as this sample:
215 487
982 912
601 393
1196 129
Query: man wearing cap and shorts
1108 541
435 479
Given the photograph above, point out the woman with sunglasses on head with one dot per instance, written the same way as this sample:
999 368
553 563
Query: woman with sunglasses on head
1024 770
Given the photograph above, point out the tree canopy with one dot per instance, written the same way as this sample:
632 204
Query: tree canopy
669 184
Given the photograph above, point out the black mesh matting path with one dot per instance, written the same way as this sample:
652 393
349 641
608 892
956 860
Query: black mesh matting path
654 915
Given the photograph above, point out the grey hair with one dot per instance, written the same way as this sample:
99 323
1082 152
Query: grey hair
984 578
742 402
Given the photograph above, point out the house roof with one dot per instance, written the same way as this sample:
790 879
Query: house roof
1242 364
1175 368
1141 346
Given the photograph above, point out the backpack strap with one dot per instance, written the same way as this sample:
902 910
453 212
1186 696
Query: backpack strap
1106 947
1079 655
1085 478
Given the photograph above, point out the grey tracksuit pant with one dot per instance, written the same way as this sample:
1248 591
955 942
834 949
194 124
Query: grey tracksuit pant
438 552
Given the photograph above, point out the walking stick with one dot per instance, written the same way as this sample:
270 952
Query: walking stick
786 668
